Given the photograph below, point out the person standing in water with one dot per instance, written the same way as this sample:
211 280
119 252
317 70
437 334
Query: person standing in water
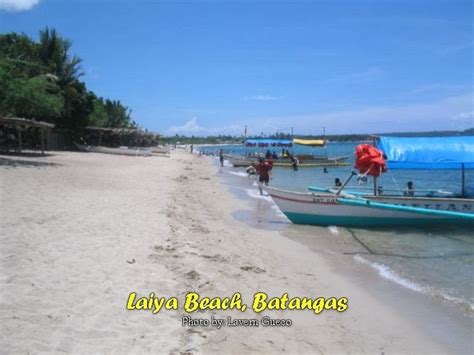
221 157
263 170
294 163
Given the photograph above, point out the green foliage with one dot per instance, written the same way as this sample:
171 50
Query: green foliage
98 116
53 52
118 116
40 80
36 98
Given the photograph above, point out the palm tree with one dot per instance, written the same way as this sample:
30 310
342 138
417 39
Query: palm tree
54 54
118 114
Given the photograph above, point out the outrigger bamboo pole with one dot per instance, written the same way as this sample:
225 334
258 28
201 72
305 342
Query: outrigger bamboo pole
362 202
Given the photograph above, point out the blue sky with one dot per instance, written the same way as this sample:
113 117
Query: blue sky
212 67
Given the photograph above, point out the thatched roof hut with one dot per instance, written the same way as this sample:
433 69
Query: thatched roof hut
21 123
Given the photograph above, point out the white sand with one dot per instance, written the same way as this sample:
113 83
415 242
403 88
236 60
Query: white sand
77 237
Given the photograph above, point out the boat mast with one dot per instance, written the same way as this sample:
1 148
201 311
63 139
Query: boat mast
292 138
375 177
324 140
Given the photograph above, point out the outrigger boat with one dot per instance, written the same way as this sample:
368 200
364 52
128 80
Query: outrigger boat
305 160
342 207
245 162
117 151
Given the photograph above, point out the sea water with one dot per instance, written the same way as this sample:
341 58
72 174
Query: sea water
437 261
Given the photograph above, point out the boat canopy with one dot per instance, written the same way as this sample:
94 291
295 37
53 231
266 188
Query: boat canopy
268 143
311 142
428 153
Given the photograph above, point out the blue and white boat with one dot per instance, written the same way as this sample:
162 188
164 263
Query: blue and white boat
340 207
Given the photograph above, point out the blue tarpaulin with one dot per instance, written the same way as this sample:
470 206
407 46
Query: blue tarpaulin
428 153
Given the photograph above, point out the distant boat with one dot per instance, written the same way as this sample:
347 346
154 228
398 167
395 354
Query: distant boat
117 151
305 162
334 206
160 150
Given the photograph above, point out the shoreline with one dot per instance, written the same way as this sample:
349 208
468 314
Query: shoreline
91 228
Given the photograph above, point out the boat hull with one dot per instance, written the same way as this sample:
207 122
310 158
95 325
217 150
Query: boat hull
323 209
115 151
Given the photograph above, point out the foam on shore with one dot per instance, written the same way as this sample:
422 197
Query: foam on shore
385 272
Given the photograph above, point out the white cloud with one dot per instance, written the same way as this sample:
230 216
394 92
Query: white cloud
192 128
449 113
261 98
18 5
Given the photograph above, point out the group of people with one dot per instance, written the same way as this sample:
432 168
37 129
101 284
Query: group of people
264 167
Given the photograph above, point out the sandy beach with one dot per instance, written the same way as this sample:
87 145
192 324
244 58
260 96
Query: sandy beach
80 231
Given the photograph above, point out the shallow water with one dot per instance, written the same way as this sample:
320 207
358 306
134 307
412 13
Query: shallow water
435 261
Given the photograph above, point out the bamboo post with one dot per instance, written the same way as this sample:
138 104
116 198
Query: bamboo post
18 128
42 140
100 137
463 180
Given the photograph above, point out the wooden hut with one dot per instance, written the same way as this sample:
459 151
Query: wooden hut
107 136
21 123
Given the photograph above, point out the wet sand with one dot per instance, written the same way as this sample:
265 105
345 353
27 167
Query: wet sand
80 231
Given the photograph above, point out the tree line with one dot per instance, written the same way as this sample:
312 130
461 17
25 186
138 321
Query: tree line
40 79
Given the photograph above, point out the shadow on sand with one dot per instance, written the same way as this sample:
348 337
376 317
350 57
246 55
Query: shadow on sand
13 161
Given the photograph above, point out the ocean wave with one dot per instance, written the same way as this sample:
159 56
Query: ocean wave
255 193
238 173
387 273
277 210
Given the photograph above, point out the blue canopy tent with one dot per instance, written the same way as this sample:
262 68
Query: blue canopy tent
268 143
429 153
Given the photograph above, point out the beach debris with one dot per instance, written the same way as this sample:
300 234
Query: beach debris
199 229
131 261
254 269
217 258
193 275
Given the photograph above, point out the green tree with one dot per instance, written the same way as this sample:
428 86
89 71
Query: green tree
53 52
35 98
98 117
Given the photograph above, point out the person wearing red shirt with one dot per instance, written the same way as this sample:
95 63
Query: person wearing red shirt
263 170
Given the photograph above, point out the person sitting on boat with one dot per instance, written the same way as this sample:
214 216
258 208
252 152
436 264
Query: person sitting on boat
263 170
410 191
268 154
274 155
337 182
380 190
325 170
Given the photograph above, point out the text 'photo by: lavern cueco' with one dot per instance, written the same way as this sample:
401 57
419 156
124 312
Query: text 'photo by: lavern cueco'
262 177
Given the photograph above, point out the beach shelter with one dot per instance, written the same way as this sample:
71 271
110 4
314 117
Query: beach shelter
20 123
